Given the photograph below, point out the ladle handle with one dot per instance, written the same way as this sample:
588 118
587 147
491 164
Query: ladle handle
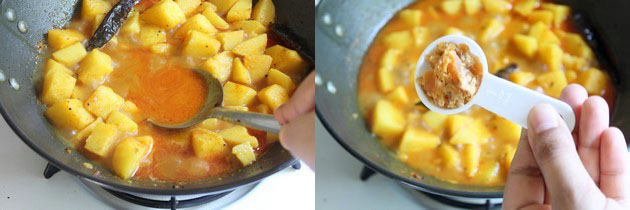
253 120
513 101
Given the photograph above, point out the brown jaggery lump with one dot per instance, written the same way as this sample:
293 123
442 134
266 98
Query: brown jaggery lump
454 77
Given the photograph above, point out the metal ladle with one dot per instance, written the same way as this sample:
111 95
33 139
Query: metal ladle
212 109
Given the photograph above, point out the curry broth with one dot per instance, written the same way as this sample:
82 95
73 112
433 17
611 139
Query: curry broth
499 51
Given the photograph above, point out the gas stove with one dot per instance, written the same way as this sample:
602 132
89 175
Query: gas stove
23 185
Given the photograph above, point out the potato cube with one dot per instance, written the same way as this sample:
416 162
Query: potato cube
398 95
526 7
472 6
162 48
242 10
101 139
388 122
471 133
522 78
507 154
130 107
470 158
245 153
128 155
103 101
497 6
275 76
69 114
122 121
488 172
150 35
253 46
219 65
390 58
491 30
552 82
560 12
285 59
262 108
574 44
132 24
54 66
91 8
451 7
449 155
70 55
435 121
527 45
258 66
211 124
85 132
505 130
543 34
230 39
57 86
237 95
453 31
411 17
188 6
251 27
543 16
95 67
216 20
273 96
593 80
165 14
62 38
240 74
571 76
551 55
206 6
385 80
416 139
264 12
198 44
455 123
207 143
223 5
419 35
237 135
196 23
398 40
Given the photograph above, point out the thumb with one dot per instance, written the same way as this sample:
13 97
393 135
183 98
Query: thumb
553 148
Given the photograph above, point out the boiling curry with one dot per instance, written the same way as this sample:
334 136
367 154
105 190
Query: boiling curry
528 42
100 100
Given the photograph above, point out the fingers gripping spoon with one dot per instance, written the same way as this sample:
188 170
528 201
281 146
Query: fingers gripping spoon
212 109
495 94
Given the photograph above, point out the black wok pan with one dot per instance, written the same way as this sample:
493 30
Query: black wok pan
21 58
344 32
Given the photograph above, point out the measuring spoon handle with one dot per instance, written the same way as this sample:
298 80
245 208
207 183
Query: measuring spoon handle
514 102
253 120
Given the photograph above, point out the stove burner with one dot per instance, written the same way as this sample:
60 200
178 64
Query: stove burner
172 204
366 173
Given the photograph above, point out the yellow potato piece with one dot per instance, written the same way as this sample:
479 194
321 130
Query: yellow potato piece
245 153
95 67
264 12
128 154
101 139
275 76
253 46
258 66
388 122
70 55
207 143
198 44
240 74
103 101
237 95
165 14
238 135
62 38
273 96
69 114
242 10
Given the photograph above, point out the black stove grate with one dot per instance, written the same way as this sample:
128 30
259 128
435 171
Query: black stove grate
173 203
366 173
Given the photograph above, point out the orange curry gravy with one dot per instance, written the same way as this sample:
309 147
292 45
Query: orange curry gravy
495 150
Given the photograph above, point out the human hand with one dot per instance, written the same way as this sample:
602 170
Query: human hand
297 118
553 168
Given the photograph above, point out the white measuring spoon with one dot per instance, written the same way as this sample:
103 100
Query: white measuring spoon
495 94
